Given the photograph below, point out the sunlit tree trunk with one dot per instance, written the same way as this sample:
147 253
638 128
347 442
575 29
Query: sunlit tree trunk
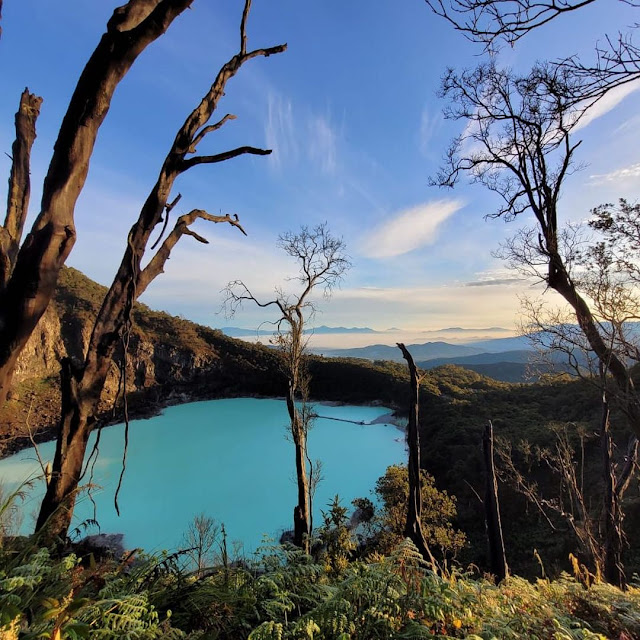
497 557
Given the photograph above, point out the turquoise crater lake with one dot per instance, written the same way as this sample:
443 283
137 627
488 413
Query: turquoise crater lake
229 459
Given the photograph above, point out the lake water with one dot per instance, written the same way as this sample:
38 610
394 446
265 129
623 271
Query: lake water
229 459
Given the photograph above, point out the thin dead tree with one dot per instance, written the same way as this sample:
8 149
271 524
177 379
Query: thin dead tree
323 262
616 484
497 555
413 526
82 383
29 271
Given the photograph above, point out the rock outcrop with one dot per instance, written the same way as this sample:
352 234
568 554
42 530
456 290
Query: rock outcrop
168 360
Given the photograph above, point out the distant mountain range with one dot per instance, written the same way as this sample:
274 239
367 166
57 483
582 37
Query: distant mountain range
239 332
505 359
510 359
426 351
497 345
473 331
523 356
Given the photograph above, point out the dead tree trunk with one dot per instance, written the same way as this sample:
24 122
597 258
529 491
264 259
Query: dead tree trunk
413 527
29 287
83 385
301 516
19 183
497 557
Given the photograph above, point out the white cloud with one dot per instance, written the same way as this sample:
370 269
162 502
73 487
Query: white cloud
609 101
631 172
408 229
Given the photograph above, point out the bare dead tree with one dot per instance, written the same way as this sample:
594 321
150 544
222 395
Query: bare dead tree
413 526
497 555
323 262
82 384
518 143
29 275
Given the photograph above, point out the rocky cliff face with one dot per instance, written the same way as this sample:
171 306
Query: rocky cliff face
149 363
41 356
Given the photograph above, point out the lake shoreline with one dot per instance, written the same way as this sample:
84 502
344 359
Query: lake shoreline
147 410
235 445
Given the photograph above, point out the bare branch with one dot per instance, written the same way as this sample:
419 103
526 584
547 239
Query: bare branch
243 27
489 21
222 157
630 464
156 264
167 211
492 22
209 129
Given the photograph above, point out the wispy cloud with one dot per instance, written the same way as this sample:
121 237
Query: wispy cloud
322 143
409 229
495 278
609 101
285 126
429 125
495 282
280 130
624 174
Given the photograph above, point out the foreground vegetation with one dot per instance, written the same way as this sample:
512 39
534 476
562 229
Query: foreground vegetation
283 593
357 583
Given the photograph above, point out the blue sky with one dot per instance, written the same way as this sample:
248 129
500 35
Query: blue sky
352 115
